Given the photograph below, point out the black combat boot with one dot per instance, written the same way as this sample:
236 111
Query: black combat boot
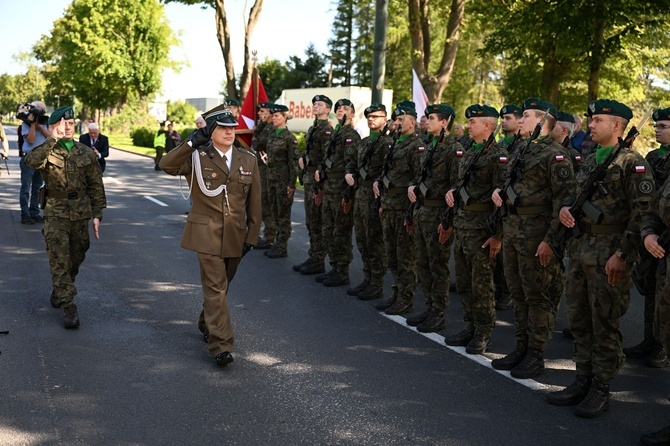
460 339
657 358
478 345
316 267
659 438
531 365
337 279
277 252
434 322
323 276
383 305
596 402
573 394
398 308
504 302
358 288
415 320
263 244
299 266
71 317
641 350
55 301
511 360
371 292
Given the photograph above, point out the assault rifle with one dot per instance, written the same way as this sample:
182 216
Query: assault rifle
327 163
640 269
582 206
514 173
308 148
388 165
426 171
365 160
461 190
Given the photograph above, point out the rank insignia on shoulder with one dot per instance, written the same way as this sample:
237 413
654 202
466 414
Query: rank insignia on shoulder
640 169
560 158
422 148
459 153
502 159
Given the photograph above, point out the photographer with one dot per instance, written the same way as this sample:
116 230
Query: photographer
35 131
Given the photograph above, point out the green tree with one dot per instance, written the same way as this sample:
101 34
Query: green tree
341 44
364 24
108 50
181 112
274 75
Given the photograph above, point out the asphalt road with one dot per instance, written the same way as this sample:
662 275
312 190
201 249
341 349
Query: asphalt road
312 365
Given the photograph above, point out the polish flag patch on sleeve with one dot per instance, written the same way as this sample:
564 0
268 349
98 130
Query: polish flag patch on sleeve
560 158
640 169
578 158
502 159
347 141
422 149
459 153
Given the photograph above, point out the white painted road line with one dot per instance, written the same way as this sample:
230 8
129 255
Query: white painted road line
531 384
158 202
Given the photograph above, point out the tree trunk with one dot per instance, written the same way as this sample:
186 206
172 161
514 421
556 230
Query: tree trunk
223 36
434 84
245 80
597 51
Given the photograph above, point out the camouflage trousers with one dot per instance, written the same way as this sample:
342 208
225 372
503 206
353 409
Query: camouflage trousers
400 253
270 230
66 242
529 284
432 258
216 273
280 209
662 308
336 231
474 280
651 322
594 309
370 236
499 282
313 222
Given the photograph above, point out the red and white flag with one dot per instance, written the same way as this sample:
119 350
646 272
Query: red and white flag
247 119
418 95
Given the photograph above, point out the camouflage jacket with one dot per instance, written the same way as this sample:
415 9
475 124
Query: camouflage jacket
259 141
282 158
371 168
660 165
404 165
440 176
73 180
317 142
629 184
344 151
487 175
547 184
656 218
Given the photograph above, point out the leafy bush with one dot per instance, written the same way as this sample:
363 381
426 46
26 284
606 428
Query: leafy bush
143 136
135 114
185 132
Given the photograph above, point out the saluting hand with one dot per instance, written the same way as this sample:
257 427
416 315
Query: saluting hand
58 130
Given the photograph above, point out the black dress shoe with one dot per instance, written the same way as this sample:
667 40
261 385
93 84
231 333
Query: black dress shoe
460 339
337 279
224 358
315 267
371 292
205 337
383 305
358 288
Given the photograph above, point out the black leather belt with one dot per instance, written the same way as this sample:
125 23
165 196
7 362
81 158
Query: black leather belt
528 210
434 203
602 229
479 207
69 195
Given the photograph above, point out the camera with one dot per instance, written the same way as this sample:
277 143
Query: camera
26 109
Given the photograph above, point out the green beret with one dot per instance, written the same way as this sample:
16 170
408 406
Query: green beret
609 107
511 108
66 113
374 108
480 111
322 98
441 109
539 104
399 111
221 115
265 105
406 104
232 102
342 102
565 117
662 114
278 108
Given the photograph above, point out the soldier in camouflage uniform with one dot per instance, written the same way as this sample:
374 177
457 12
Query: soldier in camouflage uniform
363 168
509 116
598 285
74 194
282 172
259 143
542 186
401 165
655 223
318 138
337 215
650 348
437 172
476 248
